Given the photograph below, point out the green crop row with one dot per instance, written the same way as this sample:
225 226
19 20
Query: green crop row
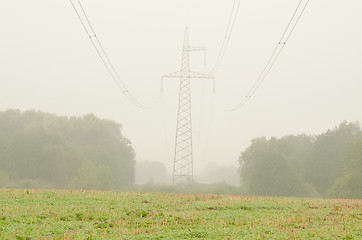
35 214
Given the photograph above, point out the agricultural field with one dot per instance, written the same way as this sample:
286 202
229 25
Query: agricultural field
36 214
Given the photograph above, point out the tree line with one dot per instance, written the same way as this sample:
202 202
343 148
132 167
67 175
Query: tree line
325 165
41 150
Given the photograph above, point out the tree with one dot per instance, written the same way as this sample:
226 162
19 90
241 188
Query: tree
350 184
265 170
37 147
90 177
305 165
328 157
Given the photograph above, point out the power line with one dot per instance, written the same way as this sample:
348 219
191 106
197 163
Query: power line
291 20
305 6
204 154
275 54
96 43
228 33
109 66
99 43
225 37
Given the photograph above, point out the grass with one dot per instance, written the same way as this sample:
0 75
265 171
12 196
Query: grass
36 214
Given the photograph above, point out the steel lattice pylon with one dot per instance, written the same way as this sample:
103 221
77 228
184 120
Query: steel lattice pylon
183 159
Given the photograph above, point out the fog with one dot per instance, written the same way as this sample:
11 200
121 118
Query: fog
47 63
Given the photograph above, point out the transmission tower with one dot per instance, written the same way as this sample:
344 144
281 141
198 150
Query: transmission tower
183 159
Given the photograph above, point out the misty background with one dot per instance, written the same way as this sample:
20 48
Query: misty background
48 63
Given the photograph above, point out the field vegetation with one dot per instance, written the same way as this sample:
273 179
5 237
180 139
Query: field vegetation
36 214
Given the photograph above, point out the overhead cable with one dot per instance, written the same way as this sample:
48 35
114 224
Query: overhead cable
228 33
96 43
275 54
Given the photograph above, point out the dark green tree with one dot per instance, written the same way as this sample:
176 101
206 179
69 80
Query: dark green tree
304 165
350 184
55 151
269 171
328 156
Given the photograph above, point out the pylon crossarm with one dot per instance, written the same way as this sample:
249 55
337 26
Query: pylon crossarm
200 75
173 75
191 74
194 48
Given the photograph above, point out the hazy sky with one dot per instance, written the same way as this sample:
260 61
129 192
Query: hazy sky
47 63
